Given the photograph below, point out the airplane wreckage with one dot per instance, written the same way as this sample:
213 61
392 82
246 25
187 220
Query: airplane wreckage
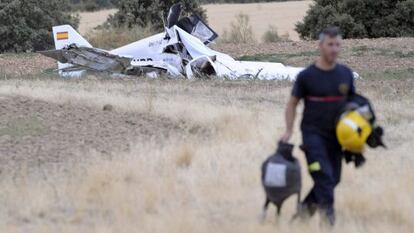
181 51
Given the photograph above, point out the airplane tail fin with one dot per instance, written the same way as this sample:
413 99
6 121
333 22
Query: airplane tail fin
65 35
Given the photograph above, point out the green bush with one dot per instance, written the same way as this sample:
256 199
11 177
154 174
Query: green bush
142 13
360 18
26 25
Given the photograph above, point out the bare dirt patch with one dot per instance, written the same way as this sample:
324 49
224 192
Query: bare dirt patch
25 64
43 135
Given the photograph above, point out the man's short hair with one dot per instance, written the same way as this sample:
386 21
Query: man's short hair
330 32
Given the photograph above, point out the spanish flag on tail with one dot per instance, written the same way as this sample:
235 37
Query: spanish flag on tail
62 35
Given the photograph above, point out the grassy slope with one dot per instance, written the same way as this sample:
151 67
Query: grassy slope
198 172
184 156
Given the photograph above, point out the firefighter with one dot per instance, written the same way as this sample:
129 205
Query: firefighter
324 87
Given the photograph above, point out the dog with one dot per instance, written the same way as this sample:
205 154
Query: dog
281 178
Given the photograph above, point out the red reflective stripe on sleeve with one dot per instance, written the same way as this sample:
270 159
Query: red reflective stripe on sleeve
325 98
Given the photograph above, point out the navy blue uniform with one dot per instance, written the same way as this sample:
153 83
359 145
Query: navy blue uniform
324 93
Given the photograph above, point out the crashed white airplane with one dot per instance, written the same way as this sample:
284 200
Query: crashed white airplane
181 51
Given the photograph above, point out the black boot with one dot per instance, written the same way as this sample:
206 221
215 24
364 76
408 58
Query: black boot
328 216
305 211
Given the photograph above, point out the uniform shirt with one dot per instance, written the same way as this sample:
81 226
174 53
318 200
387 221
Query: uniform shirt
324 93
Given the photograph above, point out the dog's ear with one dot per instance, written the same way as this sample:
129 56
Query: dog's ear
286 150
356 158
375 139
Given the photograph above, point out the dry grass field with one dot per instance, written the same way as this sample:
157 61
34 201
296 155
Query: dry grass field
90 20
282 15
184 156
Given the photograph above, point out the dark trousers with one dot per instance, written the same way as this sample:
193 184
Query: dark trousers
324 157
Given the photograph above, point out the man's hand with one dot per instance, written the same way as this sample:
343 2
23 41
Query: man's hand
286 137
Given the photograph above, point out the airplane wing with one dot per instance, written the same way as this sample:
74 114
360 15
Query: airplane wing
90 58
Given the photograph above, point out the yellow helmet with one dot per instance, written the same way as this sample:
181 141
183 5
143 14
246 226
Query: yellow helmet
353 131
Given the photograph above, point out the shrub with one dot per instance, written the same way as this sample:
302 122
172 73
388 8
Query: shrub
240 31
360 18
272 36
26 25
91 6
144 13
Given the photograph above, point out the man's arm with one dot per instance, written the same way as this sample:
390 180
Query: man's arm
298 92
290 116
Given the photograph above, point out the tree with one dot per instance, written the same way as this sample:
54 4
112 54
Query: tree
144 13
360 18
26 25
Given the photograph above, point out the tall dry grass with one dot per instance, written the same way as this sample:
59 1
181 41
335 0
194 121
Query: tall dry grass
205 180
